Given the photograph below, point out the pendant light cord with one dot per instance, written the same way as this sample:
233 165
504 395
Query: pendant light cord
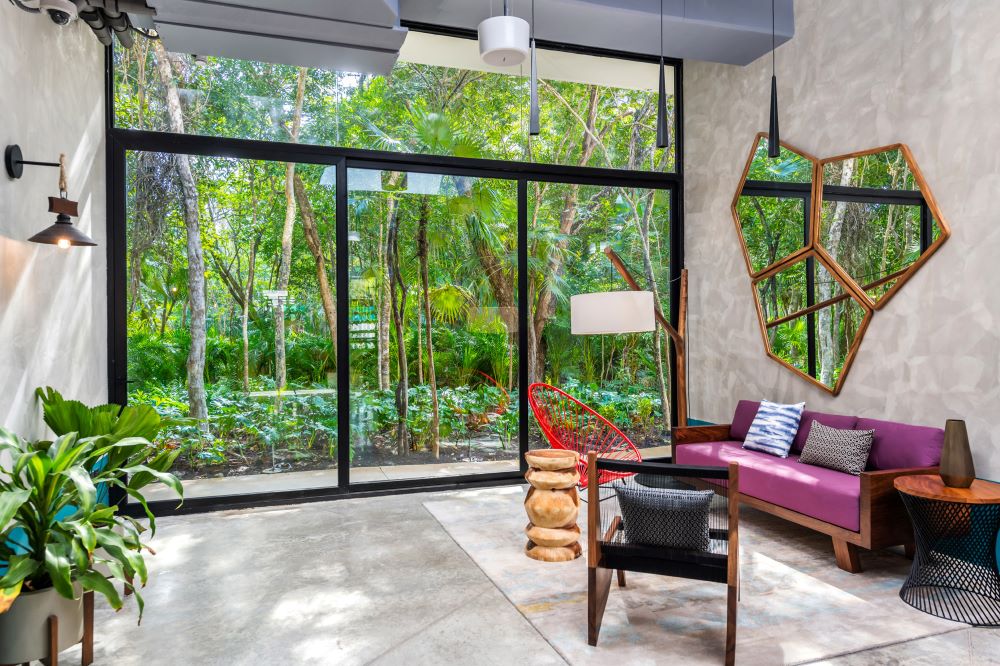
661 30
772 36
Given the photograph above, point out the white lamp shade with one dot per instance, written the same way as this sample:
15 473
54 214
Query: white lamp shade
503 41
612 312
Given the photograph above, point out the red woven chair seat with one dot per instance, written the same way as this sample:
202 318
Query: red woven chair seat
569 424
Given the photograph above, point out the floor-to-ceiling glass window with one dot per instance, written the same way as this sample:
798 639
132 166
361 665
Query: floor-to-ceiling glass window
433 324
230 318
462 240
571 229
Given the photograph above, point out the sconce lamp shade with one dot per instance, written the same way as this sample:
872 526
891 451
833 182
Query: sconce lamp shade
612 312
63 234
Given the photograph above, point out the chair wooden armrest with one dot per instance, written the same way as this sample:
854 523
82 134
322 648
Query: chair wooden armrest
883 517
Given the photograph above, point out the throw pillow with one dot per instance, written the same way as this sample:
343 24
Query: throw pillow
665 517
774 428
842 450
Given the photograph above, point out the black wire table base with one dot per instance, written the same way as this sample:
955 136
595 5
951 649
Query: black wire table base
954 574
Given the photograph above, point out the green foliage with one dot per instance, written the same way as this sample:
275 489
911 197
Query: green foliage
54 530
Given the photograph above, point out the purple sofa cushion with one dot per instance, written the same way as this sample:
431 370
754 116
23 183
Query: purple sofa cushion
746 410
825 494
898 445
838 421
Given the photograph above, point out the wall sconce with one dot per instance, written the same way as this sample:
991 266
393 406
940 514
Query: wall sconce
62 233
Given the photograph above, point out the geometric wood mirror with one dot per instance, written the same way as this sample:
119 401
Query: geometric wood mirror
826 243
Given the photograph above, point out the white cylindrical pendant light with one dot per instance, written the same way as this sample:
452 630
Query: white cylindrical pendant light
612 312
503 41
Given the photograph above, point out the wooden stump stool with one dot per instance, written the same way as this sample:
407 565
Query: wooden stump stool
552 505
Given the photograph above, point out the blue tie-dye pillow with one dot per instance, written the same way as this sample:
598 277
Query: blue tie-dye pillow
774 428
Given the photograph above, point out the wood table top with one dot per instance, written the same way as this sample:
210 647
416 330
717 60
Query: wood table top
930 486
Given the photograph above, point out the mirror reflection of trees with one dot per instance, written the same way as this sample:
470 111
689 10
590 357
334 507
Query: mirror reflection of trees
231 264
875 222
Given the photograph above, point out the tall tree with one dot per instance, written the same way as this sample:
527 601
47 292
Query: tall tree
397 303
423 251
197 401
285 264
311 233
828 336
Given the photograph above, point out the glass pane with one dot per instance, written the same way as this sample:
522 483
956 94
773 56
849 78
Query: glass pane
772 228
230 293
433 333
625 378
440 98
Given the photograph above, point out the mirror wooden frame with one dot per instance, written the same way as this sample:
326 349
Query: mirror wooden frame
815 250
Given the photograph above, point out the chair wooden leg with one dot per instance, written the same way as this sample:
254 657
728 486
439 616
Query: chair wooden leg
87 648
621 578
598 587
53 640
731 604
847 556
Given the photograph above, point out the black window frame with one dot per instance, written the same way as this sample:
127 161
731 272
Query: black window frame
119 141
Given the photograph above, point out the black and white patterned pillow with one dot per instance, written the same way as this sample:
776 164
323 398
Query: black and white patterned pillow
842 450
665 516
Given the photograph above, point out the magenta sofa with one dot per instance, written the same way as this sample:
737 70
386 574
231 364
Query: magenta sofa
856 511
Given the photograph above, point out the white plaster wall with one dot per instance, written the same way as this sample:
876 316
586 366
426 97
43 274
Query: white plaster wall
53 316
858 74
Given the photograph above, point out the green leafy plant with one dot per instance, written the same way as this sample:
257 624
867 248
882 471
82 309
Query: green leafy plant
54 530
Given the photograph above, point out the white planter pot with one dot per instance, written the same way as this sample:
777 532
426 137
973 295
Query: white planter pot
24 629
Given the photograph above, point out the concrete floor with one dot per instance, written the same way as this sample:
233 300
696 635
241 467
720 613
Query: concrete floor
359 581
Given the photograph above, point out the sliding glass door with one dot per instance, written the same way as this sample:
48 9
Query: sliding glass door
231 318
433 324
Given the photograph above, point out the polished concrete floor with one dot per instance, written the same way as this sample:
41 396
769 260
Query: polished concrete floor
359 581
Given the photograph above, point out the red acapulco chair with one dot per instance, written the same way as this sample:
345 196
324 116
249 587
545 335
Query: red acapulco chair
570 424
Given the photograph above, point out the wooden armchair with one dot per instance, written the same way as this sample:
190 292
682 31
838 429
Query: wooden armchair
639 532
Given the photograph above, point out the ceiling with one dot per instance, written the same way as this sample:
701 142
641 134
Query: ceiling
366 35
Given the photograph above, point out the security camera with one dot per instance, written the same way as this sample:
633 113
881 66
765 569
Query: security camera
60 11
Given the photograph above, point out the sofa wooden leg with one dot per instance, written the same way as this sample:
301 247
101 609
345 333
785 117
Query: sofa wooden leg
847 556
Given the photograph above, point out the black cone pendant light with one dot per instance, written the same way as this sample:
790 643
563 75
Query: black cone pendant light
533 124
662 129
773 138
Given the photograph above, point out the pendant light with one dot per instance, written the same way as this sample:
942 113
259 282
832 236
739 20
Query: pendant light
533 124
662 130
503 40
773 139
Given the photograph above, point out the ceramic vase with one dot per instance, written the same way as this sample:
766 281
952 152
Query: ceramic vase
957 468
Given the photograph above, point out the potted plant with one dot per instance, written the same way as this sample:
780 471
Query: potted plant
58 539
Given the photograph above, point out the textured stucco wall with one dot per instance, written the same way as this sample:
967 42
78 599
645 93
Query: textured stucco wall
858 74
53 316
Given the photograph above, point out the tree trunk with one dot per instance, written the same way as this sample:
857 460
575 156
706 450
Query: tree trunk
285 265
245 314
827 347
316 247
422 254
647 263
383 309
197 402
397 301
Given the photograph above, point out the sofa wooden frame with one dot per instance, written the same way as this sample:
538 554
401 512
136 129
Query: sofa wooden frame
884 522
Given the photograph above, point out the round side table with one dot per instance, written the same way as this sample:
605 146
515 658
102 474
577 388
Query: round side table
954 574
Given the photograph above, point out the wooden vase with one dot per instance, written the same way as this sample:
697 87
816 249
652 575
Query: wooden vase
552 505
957 469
